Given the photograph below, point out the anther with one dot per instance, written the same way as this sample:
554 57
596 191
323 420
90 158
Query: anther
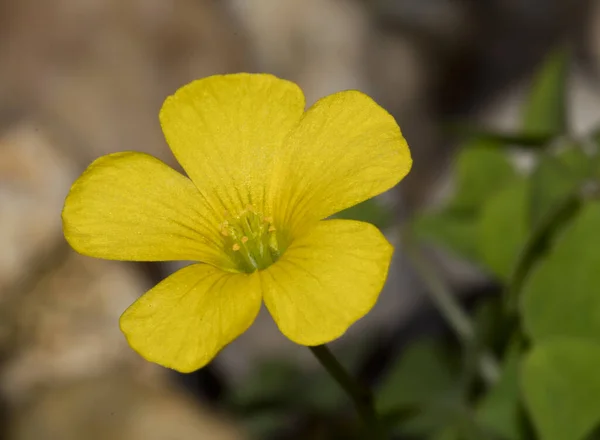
251 240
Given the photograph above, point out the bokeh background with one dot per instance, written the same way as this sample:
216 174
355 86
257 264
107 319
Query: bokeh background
83 78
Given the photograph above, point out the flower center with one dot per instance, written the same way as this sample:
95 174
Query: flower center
251 240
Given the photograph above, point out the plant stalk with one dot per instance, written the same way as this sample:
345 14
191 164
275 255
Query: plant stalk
360 396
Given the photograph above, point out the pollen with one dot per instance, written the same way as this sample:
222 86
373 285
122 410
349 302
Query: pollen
251 239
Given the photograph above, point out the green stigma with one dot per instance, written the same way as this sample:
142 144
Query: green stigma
251 240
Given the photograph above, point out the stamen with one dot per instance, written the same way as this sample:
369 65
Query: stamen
251 240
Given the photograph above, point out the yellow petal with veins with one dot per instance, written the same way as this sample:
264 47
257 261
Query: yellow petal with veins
185 320
326 280
131 206
346 149
225 131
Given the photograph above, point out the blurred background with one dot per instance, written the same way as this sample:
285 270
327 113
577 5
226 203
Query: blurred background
83 78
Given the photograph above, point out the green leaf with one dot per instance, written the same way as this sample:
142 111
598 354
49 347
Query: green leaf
503 228
561 386
499 409
421 380
454 232
265 424
420 376
269 382
561 296
463 427
321 393
481 169
577 161
538 243
448 433
545 111
370 211
551 181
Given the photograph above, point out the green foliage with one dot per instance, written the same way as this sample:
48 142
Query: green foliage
561 386
503 228
482 169
539 233
420 377
561 297
545 110
551 182
577 162
453 231
268 383
499 410
277 389
423 394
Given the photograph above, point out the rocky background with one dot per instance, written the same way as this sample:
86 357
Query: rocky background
83 78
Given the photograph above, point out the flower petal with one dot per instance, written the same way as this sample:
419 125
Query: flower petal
225 129
131 206
185 320
345 150
326 280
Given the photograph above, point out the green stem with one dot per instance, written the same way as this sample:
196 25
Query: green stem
446 303
361 397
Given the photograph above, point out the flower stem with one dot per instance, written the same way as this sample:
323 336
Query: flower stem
361 396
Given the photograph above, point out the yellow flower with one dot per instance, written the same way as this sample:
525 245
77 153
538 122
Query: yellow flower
263 174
